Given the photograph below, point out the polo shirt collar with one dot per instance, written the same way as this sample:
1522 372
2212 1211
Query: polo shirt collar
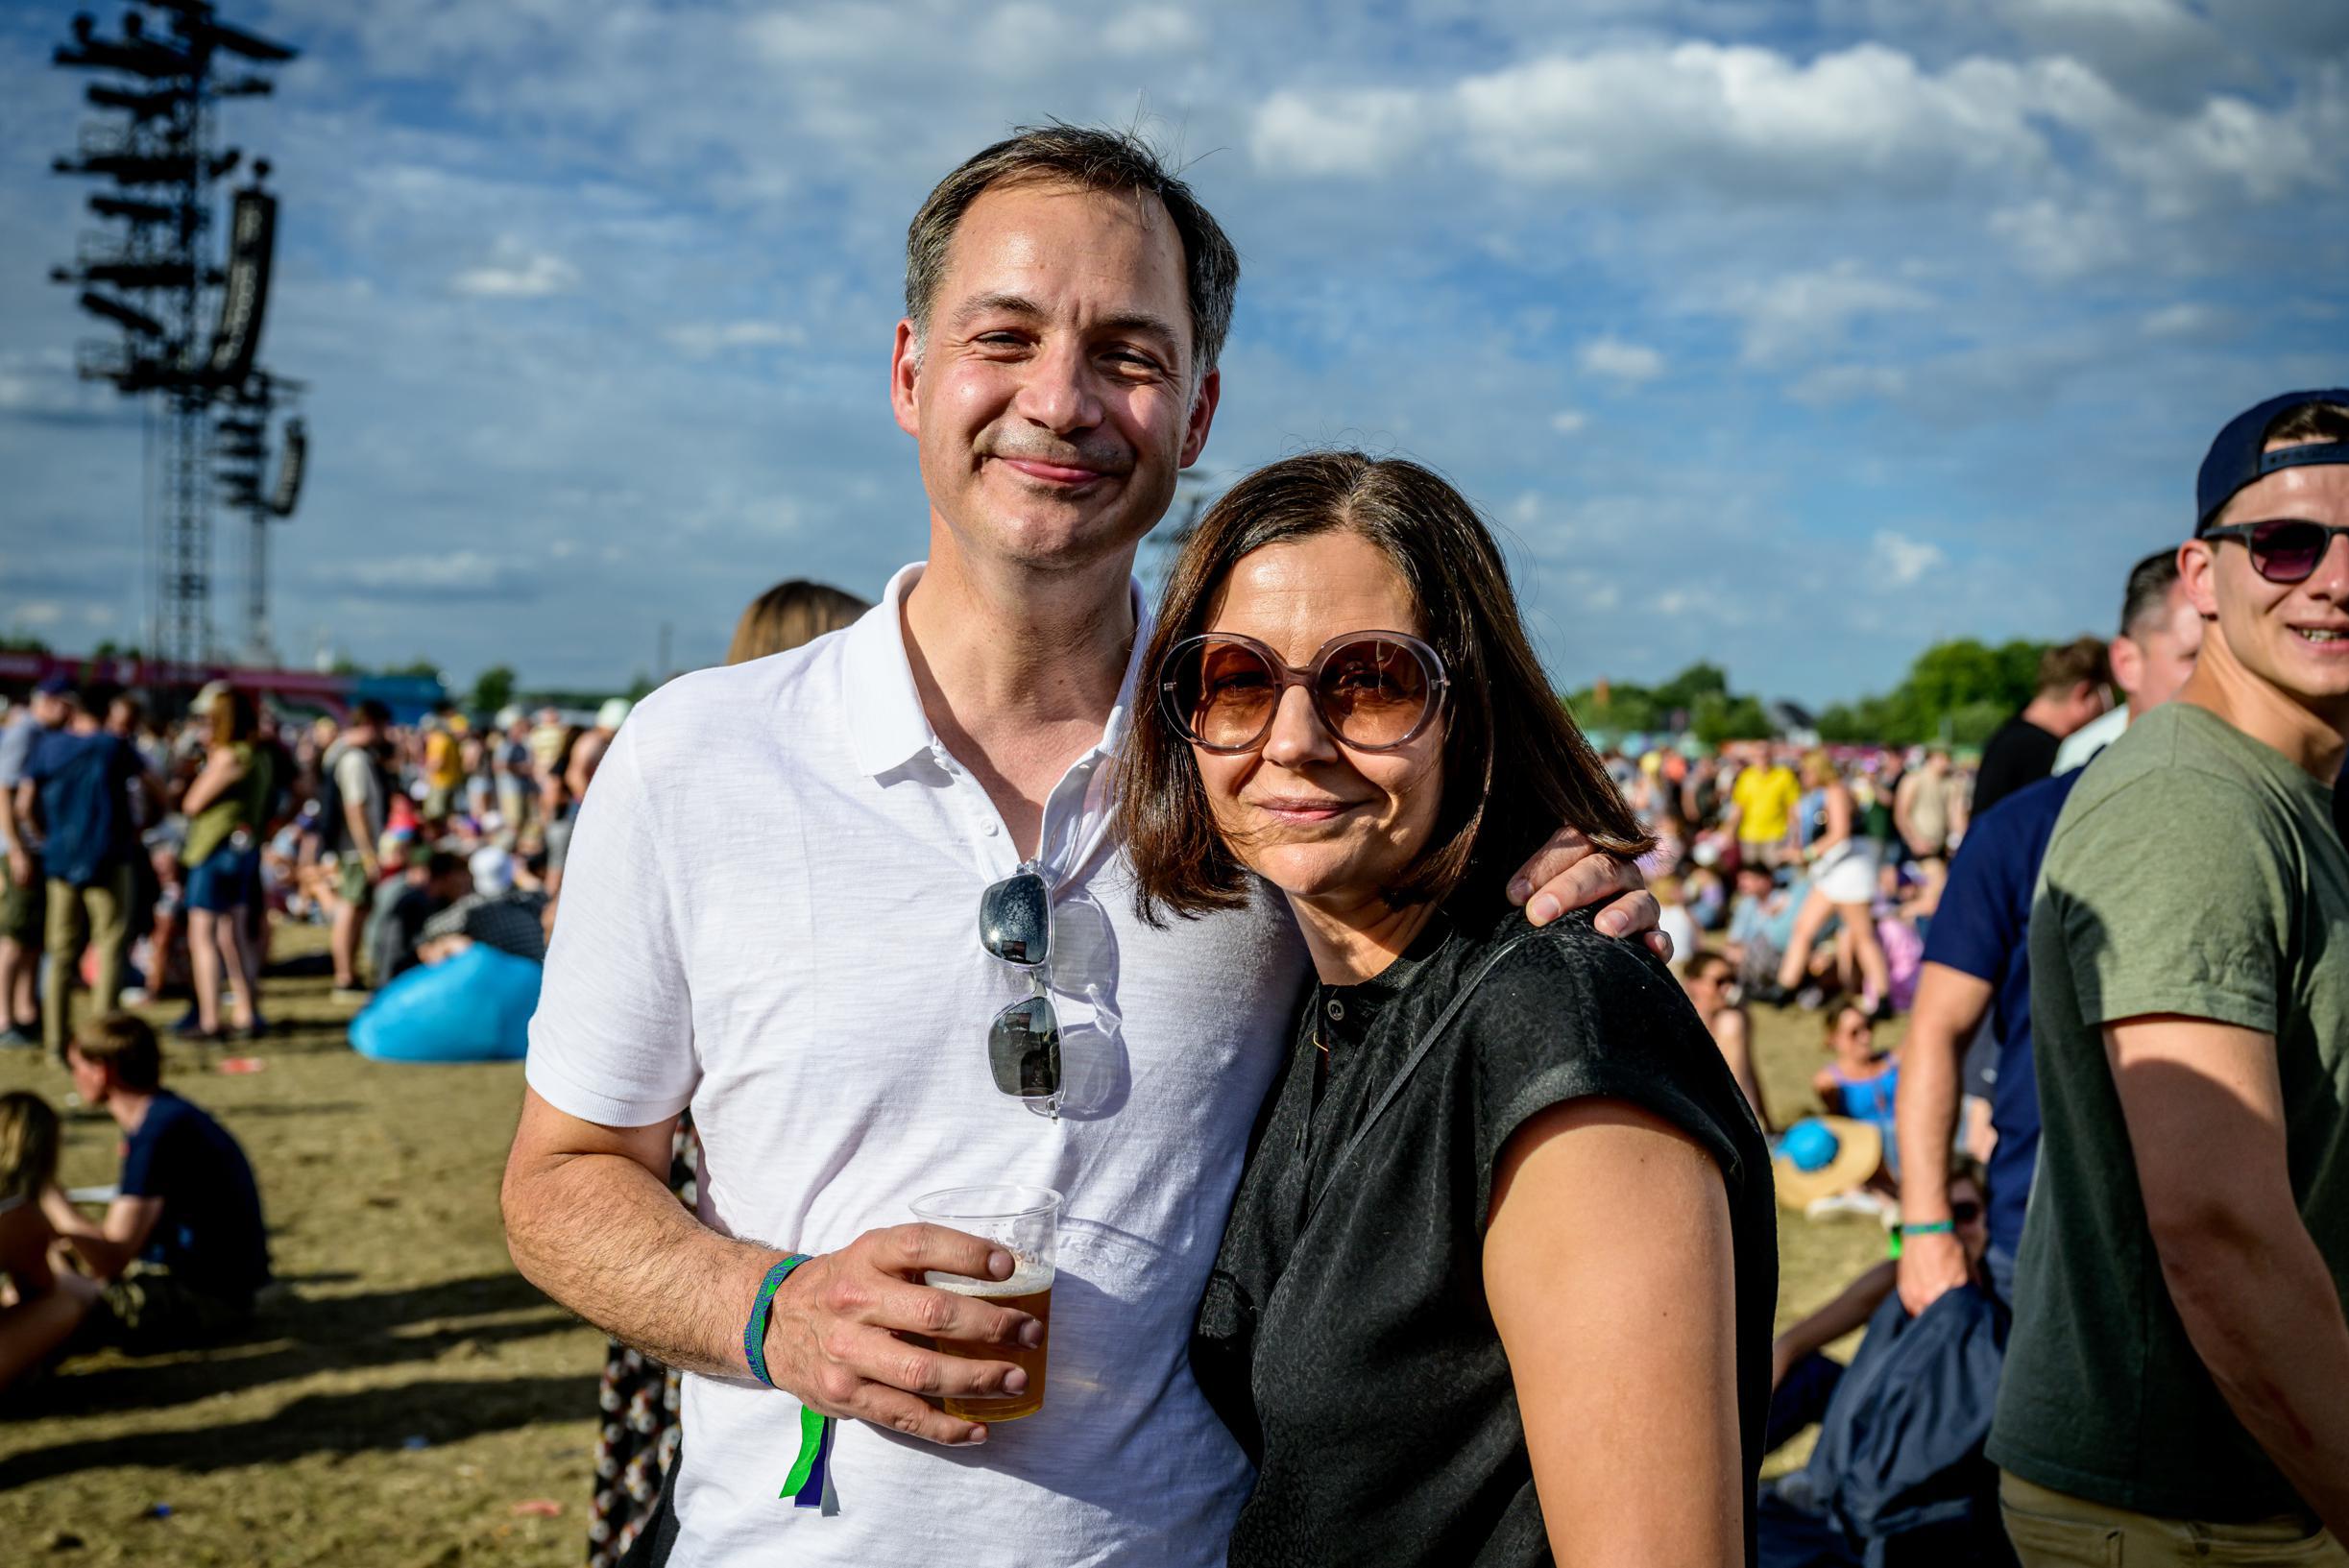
886 727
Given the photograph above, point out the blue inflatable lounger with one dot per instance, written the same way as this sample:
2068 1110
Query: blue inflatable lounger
475 1007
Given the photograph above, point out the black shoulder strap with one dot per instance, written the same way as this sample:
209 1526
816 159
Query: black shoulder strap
1411 1065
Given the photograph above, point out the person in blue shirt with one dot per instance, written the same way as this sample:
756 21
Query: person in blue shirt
1977 966
77 784
24 891
182 1250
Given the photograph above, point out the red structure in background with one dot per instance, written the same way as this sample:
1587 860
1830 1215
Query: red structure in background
408 696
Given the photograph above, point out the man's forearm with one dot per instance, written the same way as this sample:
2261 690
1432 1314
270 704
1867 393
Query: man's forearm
1925 1120
1949 1008
2264 1315
1850 1310
604 1236
354 822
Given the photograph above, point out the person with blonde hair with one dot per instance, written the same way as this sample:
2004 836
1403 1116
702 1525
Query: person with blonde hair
635 1455
1843 868
791 614
40 1305
227 806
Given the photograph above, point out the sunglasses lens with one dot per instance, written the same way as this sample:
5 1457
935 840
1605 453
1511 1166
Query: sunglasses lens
1965 1214
1024 1049
1223 695
1015 920
1374 692
2287 549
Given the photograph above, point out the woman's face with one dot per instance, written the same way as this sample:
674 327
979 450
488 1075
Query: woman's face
1852 1036
1317 818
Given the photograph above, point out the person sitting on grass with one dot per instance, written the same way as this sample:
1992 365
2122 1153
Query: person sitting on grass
1710 981
1802 1376
182 1251
1861 1082
42 1304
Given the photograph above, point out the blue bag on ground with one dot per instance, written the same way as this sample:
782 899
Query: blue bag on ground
1899 1468
475 1007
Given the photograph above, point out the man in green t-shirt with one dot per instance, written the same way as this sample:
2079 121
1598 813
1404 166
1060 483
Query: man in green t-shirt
2177 1386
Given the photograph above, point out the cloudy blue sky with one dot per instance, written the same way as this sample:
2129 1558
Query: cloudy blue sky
1792 334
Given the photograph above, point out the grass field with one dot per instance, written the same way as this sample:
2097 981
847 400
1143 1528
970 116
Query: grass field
409 1389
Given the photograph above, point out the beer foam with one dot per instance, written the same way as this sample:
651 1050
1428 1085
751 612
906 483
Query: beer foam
1027 1279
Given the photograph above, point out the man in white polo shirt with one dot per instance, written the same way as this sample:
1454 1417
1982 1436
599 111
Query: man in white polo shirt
774 923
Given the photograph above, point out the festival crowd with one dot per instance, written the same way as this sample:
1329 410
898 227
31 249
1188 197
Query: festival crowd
1379 1050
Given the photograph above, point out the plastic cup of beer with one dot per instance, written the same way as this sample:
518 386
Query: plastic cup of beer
1025 1221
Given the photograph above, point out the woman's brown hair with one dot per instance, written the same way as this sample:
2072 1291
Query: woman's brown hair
789 615
28 1145
1515 765
234 720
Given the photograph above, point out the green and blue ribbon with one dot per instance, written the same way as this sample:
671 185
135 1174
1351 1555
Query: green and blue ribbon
804 1485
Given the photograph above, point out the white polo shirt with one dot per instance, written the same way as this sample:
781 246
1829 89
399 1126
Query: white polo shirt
770 913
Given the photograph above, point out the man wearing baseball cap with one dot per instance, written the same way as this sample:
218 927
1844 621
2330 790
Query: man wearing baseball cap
2177 1386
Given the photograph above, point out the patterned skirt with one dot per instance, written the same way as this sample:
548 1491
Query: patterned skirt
637 1401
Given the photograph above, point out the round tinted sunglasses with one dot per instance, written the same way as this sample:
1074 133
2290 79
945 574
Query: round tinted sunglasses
1373 690
2283 549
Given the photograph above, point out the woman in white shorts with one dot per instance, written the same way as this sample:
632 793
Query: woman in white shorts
1843 879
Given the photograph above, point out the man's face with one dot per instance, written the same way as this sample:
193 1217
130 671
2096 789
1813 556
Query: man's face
2292 636
1053 400
48 709
2152 661
89 1079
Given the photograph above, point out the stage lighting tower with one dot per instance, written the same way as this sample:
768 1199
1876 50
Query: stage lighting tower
148 273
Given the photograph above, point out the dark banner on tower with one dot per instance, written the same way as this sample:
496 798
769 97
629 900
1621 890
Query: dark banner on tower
291 461
253 232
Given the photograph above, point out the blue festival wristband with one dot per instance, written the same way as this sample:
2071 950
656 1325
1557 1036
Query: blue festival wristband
753 1333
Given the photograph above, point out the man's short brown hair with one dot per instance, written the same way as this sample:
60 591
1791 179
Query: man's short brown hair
2308 424
1090 159
124 1046
2069 664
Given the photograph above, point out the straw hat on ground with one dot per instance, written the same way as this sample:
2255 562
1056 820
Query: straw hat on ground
1823 1155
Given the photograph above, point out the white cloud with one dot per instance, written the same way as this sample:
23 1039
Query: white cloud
1150 30
1568 421
2061 240
1361 131
701 340
1619 360
1834 384
1807 312
2185 320
1753 124
518 273
1898 561
1734 120
446 574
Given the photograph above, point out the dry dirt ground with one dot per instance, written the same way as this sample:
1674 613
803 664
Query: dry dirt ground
409 1389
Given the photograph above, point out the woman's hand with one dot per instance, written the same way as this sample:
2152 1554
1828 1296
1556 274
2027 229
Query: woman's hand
1567 874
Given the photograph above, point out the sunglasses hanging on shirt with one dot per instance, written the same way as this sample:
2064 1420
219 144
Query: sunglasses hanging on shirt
1015 924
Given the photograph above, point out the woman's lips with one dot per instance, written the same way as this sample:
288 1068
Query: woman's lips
1302 812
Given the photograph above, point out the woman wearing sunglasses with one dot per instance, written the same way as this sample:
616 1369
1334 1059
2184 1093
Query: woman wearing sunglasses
1498 1282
